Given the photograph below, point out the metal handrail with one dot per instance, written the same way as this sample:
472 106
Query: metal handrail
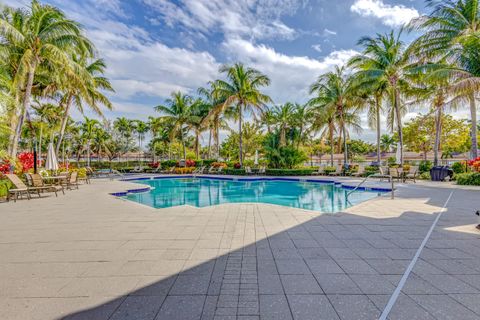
376 175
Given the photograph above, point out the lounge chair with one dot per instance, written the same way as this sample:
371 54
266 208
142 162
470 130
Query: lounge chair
395 173
20 188
138 169
320 171
72 180
211 170
168 171
219 170
412 173
198 170
157 169
248 170
262 170
360 172
36 181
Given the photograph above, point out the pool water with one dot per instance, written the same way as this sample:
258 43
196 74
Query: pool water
324 197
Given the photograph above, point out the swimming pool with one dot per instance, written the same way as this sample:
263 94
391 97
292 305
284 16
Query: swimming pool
202 192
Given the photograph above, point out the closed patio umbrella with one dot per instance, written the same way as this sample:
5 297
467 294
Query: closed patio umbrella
398 154
51 163
255 162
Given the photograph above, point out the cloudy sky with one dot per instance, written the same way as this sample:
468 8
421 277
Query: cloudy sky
153 47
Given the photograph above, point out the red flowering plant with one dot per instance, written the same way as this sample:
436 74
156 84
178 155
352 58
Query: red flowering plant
474 164
26 161
154 165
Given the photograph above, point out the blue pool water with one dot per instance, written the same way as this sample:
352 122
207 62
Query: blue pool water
324 197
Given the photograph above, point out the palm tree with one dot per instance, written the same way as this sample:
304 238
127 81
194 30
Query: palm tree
335 91
88 129
387 142
40 36
141 128
125 127
268 119
385 64
324 117
242 90
301 120
178 111
451 32
86 87
48 113
283 117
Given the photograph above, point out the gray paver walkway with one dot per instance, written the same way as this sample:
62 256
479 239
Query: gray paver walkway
90 256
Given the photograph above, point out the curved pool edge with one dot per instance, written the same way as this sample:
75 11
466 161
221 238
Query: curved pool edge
342 184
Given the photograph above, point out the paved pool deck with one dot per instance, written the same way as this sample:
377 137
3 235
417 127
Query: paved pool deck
89 255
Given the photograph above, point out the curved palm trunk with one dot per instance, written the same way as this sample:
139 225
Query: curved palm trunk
40 143
399 123
377 111
23 113
473 115
240 146
217 140
64 122
438 132
197 142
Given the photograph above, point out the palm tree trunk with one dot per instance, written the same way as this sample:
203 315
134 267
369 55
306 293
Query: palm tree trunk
332 145
345 146
23 113
473 115
377 111
197 147
209 143
88 153
399 123
184 150
240 146
438 131
217 140
64 122
40 143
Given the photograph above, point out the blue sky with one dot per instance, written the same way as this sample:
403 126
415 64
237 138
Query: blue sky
153 47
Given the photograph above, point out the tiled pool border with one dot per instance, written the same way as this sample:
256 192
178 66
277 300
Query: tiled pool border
337 183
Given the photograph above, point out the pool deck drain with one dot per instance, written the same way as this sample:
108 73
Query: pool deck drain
87 255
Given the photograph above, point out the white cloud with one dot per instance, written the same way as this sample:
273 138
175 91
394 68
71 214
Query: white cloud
327 32
317 47
390 15
290 76
257 19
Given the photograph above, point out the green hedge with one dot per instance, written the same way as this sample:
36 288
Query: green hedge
5 185
459 167
234 172
468 179
289 172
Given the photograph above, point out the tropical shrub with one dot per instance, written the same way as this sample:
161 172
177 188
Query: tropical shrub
5 185
208 162
219 164
289 172
474 164
184 170
424 176
329 169
459 167
285 157
237 165
468 179
369 170
235 172
168 164
425 166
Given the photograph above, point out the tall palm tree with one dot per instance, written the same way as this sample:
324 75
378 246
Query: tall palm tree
140 128
125 127
178 111
283 117
301 120
334 90
47 114
241 89
451 32
87 88
324 117
89 128
216 114
385 63
41 35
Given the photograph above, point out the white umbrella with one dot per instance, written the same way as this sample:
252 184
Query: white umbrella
255 162
398 155
51 163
